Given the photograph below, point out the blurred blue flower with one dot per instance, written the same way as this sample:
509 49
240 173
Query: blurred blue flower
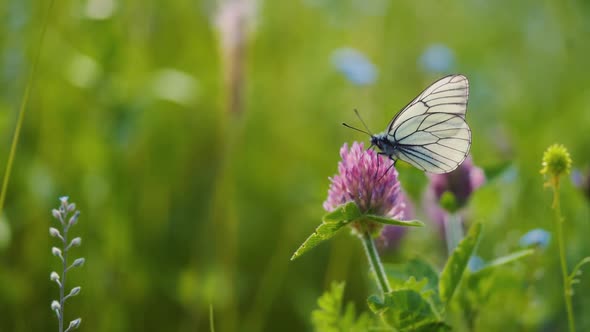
475 263
355 66
536 237
437 58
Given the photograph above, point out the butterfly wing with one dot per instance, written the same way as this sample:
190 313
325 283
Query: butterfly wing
430 132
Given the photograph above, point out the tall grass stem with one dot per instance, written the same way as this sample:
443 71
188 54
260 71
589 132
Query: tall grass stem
567 294
23 107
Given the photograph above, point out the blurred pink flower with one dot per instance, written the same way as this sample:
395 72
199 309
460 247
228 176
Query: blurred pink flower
461 182
365 178
233 19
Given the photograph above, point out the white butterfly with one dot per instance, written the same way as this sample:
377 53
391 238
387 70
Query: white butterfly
430 133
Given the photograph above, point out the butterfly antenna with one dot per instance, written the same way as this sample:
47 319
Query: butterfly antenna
351 127
363 122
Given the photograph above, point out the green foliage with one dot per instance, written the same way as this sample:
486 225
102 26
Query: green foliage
331 315
340 217
331 223
348 211
322 233
175 223
504 260
417 268
573 278
416 272
406 310
478 286
390 221
413 304
455 266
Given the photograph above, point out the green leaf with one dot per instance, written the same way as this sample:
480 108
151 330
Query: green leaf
324 232
400 277
330 316
345 212
513 257
332 222
433 327
576 272
406 310
453 270
479 286
389 221
399 273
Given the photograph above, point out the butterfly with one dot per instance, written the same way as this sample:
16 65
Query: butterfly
430 133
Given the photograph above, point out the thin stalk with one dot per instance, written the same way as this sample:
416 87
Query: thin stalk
375 262
62 286
21 112
211 320
453 231
566 287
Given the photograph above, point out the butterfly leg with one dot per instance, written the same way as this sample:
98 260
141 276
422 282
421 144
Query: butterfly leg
388 168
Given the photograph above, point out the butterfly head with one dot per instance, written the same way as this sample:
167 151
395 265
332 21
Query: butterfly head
384 144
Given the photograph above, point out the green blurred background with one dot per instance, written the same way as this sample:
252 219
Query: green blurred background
197 138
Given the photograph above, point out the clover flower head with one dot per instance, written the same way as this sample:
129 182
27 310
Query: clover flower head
367 179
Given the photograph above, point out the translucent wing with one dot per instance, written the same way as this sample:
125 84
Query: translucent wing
430 132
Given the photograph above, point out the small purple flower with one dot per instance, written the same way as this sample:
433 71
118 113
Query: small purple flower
460 183
582 181
365 178
355 66
537 237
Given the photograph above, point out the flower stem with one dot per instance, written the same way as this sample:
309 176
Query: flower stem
375 262
566 286
62 287
453 231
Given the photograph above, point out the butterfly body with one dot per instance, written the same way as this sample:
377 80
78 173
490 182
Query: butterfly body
431 133
384 144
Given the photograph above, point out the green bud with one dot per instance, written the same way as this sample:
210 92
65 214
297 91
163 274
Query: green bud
556 161
449 202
